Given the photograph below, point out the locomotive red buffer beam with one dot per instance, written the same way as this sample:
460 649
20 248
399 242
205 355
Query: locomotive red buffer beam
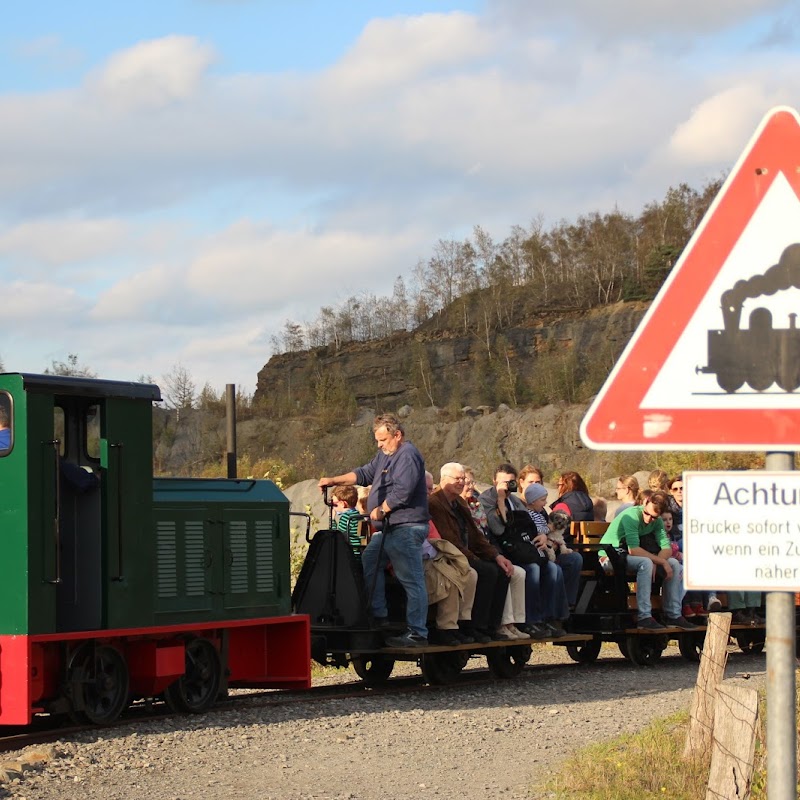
269 652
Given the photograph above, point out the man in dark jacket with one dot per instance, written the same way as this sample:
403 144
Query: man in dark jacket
546 605
398 500
453 519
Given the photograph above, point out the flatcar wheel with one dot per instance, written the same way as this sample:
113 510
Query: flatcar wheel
373 669
644 650
197 689
441 668
508 662
584 652
691 645
98 678
623 648
750 641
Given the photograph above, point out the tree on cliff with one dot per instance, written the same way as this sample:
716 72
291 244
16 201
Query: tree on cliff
595 260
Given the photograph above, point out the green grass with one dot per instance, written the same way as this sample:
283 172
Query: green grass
645 765
635 766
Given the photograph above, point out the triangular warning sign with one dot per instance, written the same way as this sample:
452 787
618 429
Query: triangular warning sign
715 363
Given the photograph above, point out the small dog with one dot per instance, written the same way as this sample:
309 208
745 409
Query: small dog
559 523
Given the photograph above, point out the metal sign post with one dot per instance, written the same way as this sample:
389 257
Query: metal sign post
742 532
781 692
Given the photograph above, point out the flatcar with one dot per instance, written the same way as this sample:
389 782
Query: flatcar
332 591
606 611
115 585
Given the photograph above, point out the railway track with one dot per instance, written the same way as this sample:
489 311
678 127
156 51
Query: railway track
50 729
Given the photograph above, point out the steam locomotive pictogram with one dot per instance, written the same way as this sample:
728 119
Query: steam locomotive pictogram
761 355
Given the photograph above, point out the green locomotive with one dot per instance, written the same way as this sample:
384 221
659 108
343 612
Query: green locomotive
115 585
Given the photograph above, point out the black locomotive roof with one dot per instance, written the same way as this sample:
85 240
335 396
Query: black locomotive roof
89 387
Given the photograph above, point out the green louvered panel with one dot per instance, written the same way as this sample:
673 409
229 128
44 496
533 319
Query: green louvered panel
251 539
167 571
265 555
183 560
238 582
195 556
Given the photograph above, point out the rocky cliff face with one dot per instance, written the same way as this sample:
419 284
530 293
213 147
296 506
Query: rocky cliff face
518 365
448 396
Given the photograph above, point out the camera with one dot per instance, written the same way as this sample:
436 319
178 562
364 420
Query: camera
511 485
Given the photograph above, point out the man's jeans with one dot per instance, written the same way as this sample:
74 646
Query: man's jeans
545 594
571 565
671 591
403 547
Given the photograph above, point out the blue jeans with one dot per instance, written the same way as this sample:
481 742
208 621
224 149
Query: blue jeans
671 591
545 595
739 600
571 565
403 547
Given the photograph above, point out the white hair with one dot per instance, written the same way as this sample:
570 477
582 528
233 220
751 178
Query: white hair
450 466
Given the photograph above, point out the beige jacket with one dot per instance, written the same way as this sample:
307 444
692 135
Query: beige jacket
448 568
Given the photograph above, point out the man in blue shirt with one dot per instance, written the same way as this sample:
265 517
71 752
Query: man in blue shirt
398 501
5 431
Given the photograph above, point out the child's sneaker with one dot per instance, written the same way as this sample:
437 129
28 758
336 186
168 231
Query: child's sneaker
698 609
687 611
713 604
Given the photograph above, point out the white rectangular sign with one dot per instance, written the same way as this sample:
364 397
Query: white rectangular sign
741 530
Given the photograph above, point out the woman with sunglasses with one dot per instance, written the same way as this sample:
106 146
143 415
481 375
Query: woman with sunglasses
695 603
676 505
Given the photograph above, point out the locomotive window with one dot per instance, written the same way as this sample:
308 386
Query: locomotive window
92 428
60 428
6 424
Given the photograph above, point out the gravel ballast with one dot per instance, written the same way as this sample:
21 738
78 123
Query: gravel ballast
497 740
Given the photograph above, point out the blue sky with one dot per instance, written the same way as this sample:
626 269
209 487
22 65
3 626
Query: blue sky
177 178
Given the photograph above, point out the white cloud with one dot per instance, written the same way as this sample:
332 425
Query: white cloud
391 52
152 294
617 19
61 241
217 206
50 51
40 309
153 74
720 126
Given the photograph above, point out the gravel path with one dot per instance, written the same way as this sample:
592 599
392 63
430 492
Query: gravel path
460 743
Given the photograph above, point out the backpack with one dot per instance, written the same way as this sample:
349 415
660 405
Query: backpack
516 541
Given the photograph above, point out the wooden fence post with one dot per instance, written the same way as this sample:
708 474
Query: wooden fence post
709 676
735 723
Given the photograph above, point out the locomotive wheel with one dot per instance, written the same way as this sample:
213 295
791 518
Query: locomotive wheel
761 376
441 668
788 373
373 669
98 678
584 652
730 381
750 641
508 662
691 645
197 689
645 650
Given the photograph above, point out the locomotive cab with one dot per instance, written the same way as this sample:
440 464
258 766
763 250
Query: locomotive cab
77 505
